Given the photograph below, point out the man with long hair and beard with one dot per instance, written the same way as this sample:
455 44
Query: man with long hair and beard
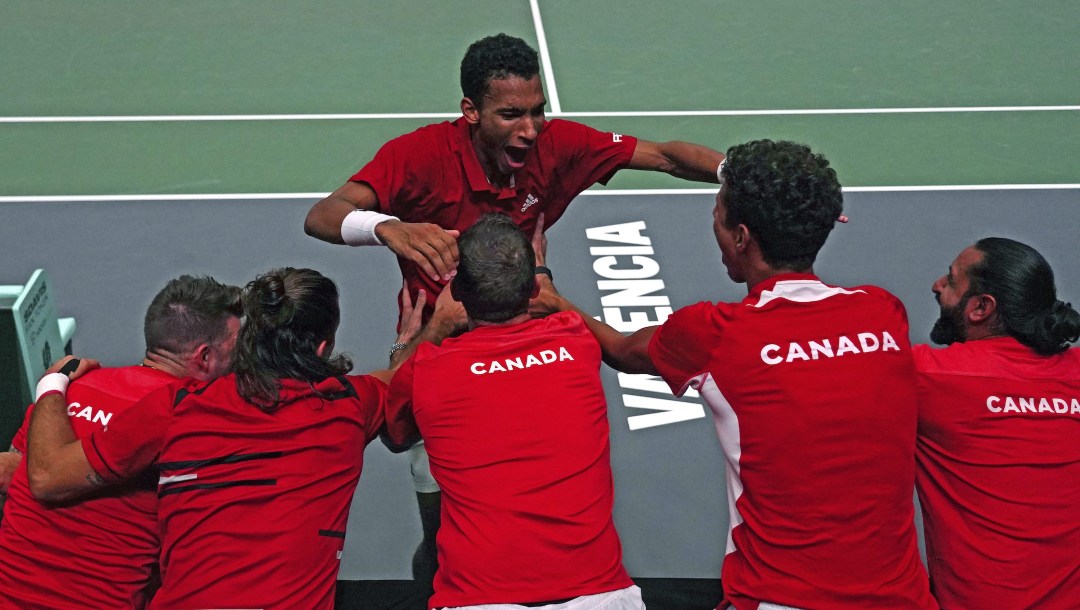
999 420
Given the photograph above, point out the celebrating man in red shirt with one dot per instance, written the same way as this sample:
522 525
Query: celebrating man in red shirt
102 552
257 468
811 387
515 421
502 155
999 423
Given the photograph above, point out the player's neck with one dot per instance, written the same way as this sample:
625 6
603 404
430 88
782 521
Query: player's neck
165 362
760 273
524 317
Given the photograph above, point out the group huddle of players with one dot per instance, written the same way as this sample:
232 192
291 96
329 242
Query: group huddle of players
229 456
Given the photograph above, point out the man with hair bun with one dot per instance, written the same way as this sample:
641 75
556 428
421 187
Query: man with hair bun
257 467
999 434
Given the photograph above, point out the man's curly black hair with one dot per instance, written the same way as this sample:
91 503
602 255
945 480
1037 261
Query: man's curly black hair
786 195
498 56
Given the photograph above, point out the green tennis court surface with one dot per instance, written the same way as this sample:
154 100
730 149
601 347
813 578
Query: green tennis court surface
191 61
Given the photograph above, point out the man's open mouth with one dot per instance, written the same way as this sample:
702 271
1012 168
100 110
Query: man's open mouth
516 155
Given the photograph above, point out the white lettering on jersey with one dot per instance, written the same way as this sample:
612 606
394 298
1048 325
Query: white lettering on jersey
772 353
505 365
616 137
1033 404
89 413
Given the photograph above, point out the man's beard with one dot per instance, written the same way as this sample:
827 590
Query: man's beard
949 327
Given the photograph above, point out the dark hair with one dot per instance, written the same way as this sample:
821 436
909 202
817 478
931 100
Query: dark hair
289 312
786 195
496 270
188 311
1022 283
498 56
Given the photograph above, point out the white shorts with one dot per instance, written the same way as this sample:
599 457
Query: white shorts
621 599
422 480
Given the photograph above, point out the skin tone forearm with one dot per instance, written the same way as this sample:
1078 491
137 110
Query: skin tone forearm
56 465
624 353
680 159
428 245
629 354
448 319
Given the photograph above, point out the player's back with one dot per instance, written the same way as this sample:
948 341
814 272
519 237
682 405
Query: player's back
516 428
811 388
998 463
254 503
98 552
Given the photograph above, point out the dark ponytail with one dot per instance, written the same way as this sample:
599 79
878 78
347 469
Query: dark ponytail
1022 284
288 313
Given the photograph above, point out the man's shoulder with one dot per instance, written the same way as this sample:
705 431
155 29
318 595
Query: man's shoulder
552 327
999 356
123 383
420 145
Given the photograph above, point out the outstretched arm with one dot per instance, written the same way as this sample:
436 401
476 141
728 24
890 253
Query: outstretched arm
680 159
56 464
428 245
626 353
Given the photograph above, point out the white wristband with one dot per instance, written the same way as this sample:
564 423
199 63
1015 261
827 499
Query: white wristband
719 171
53 382
358 228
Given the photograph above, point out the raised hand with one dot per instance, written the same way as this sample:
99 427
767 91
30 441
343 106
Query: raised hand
431 247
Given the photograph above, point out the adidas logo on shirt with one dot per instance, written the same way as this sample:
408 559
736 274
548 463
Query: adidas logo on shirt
530 201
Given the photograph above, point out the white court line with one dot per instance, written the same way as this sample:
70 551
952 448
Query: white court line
541 40
552 98
616 192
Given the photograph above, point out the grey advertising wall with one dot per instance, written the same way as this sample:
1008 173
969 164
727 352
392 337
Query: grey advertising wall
107 259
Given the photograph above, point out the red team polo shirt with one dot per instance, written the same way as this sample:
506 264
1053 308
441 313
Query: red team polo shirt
253 505
516 427
812 392
999 474
433 175
95 553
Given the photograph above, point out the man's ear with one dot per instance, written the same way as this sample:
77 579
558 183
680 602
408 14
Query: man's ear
980 309
742 237
200 357
470 110
536 289
321 349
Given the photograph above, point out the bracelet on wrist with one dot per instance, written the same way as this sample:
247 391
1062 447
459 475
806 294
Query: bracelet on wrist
397 347
544 270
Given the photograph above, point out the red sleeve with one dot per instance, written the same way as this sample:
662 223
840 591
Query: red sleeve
681 348
595 155
400 423
403 170
379 174
133 439
19 442
372 395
